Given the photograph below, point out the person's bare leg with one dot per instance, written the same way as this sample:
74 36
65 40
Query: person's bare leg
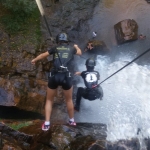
49 103
69 102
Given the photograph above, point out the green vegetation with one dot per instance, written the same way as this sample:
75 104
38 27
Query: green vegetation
21 20
18 13
17 126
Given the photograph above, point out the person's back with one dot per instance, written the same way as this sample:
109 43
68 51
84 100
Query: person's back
90 78
65 53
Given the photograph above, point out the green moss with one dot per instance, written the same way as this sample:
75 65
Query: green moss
19 125
21 23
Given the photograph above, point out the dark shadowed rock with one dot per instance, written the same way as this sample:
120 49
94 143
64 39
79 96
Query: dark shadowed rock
10 138
30 94
126 30
132 144
147 142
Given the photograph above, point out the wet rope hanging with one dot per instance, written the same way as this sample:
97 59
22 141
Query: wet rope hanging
126 65
39 4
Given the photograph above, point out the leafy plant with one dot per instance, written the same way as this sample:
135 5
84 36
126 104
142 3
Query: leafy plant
18 14
24 7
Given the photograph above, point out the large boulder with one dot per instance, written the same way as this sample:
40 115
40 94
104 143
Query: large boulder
126 30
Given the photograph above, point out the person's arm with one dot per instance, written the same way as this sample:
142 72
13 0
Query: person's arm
79 52
77 73
39 57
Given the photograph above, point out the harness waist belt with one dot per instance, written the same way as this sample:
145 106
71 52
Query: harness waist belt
60 69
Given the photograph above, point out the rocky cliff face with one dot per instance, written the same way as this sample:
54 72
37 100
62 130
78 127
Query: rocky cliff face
24 85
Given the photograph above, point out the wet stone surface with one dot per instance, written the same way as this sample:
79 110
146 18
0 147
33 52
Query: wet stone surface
84 136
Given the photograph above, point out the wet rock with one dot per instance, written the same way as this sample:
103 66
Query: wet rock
62 137
23 93
67 16
29 94
126 31
133 144
96 146
11 139
83 136
147 143
94 48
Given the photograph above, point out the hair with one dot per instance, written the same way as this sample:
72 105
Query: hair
90 68
62 42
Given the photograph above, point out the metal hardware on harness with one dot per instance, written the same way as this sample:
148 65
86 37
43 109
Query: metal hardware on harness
63 67
51 74
69 74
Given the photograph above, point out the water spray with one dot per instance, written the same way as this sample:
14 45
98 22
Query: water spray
126 65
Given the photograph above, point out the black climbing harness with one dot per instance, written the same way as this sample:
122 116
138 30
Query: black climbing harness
61 68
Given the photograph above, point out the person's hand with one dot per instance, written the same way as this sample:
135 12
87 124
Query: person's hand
75 45
33 61
77 73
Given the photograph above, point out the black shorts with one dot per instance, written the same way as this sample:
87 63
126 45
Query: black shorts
63 79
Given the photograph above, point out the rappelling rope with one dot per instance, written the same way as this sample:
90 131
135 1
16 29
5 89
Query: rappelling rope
39 4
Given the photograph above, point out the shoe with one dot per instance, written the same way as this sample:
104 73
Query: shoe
45 127
76 108
72 123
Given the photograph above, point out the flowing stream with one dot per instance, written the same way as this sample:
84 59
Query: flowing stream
126 104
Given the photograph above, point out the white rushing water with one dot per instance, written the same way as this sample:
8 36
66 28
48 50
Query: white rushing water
126 103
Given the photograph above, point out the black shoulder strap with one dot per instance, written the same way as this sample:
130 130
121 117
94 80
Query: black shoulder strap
58 57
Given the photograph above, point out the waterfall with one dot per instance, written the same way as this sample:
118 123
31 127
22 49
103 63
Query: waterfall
125 107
